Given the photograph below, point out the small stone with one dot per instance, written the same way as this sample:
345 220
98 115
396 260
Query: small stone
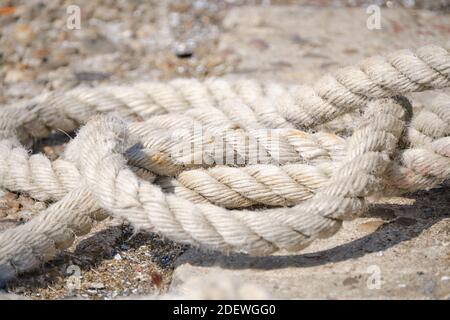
41 53
445 278
349 281
23 33
118 257
156 278
95 285
49 152
60 57
183 50
14 75
107 13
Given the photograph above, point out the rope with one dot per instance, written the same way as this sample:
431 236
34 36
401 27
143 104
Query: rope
300 160
301 186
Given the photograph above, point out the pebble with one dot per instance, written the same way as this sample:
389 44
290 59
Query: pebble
23 33
350 281
95 285
183 50
14 75
445 278
60 58
118 257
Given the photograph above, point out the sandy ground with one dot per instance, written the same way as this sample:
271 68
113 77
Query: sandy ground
119 42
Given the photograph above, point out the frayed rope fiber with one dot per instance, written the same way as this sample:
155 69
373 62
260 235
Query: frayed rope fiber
322 151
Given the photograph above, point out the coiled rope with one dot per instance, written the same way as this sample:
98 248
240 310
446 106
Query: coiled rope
302 185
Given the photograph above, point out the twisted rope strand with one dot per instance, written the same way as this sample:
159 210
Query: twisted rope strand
273 106
45 180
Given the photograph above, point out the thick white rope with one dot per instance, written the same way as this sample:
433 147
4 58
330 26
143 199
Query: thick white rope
306 161
323 176
109 181
293 106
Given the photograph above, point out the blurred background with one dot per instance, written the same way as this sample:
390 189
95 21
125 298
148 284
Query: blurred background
292 41
153 39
